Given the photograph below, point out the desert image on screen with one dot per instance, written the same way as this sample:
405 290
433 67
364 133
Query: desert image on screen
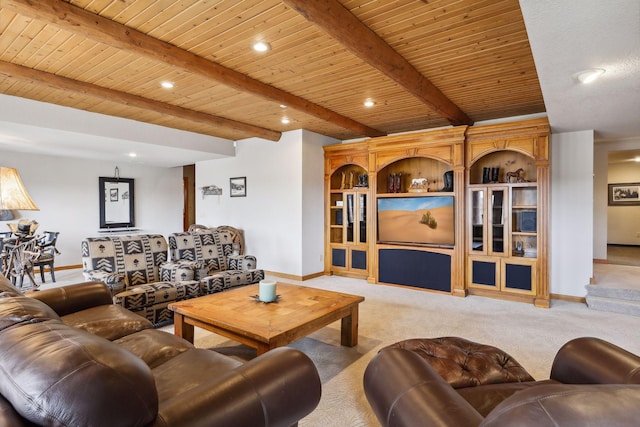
425 220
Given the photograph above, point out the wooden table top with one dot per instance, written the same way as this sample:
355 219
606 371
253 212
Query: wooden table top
298 308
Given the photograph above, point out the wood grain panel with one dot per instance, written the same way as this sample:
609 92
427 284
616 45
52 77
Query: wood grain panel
475 51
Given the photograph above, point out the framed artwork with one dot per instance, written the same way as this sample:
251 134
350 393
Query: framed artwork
238 186
625 194
116 202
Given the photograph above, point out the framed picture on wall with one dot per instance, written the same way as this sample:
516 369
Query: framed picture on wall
238 186
624 194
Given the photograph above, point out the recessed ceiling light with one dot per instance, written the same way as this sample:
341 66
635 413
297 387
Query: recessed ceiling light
590 75
369 103
132 154
167 85
261 46
285 120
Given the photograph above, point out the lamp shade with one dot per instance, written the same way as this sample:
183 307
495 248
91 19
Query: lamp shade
13 195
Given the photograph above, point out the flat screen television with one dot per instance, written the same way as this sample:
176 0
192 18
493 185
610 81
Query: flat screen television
419 220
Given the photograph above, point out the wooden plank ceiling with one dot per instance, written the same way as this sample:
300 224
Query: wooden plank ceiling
425 64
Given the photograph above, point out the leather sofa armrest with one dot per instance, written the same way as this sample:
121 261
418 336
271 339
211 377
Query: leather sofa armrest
404 390
277 388
241 262
590 360
73 298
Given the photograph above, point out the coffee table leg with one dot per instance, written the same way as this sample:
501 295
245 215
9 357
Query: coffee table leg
181 328
349 329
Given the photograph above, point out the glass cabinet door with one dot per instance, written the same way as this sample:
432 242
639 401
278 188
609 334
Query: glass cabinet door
497 218
362 217
477 221
350 218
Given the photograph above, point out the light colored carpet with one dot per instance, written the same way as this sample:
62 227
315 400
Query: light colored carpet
623 254
390 314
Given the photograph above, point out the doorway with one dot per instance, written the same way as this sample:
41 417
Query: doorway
623 222
189 191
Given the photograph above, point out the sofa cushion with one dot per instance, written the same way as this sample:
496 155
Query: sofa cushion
242 262
204 247
176 271
22 309
464 363
154 346
107 321
188 369
228 279
138 257
554 405
153 293
53 374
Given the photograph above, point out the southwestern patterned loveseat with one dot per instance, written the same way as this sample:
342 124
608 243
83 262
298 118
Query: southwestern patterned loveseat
215 256
133 267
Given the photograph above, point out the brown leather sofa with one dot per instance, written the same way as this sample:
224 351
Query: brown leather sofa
70 357
592 383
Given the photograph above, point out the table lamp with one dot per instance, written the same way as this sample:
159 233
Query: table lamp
13 195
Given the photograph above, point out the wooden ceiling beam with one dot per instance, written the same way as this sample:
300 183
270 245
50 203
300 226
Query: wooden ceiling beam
20 72
337 21
79 21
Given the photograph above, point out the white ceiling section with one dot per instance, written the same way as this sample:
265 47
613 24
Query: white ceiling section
40 128
568 36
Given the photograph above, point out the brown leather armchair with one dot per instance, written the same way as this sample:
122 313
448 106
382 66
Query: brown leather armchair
592 383
59 367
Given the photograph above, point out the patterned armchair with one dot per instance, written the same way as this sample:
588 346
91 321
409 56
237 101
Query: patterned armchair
214 256
131 268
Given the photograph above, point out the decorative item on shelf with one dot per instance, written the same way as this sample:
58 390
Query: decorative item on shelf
519 250
398 183
515 174
419 185
447 179
392 183
486 175
363 181
267 290
342 180
495 175
350 180
211 190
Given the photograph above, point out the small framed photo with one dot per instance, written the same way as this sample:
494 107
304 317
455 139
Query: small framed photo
624 194
238 186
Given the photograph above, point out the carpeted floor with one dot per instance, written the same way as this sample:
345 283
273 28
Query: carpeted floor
623 255
390 314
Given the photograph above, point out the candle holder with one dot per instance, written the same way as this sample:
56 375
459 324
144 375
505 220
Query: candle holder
267 290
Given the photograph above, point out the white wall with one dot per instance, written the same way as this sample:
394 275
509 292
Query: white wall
571 237
66 191
600 172
282 215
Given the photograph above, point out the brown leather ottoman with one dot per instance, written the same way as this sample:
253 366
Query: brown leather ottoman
463 363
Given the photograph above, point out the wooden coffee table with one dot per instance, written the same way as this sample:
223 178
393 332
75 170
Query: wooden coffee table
299 311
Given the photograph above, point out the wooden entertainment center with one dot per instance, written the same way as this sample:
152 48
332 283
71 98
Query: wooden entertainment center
392 214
